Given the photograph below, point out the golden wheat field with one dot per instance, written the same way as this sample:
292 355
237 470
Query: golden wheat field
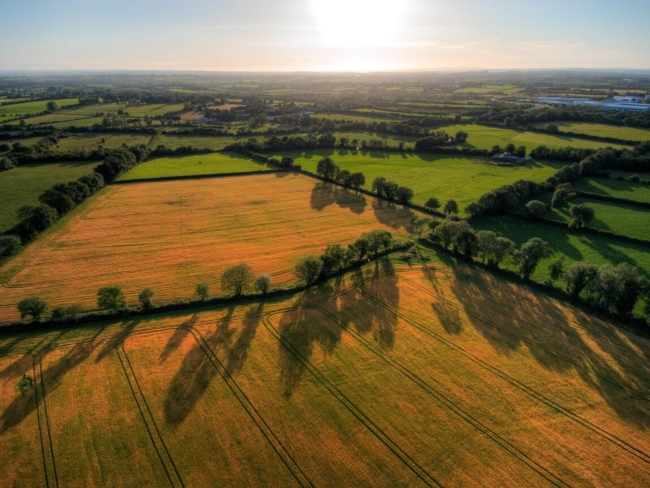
170 236
388 376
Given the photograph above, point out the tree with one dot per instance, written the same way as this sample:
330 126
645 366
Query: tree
461 137
466 240
333 258
9 245
582 215
404 195
203 290
37 217
327 169
432 203
555 269
357 180
445 233
536 208
578 276
111 298
563 193
420 224
52 106
33 306
377 238
237 277
529 255
389 190
521 152
145 298
263 283
70 313
451 207
308 269
378 185
361 247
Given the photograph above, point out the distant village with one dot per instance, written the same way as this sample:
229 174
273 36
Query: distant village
629 103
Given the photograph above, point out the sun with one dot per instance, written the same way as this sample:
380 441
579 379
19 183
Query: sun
358 23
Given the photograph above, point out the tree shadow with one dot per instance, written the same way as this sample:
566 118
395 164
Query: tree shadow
117 339
325 194
238 353
303 328
177 338
391 215
193 377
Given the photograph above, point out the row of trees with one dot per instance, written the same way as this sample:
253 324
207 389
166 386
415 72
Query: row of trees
392 191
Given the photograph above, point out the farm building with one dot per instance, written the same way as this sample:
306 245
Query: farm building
507 157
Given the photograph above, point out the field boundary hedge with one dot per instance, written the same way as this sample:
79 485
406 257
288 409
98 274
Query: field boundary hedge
612 199
202 177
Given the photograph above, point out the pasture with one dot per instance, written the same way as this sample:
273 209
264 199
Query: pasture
35 107
428 175
603 130
172 235
575 247
614 188
483 137
90 142
386 377
23 185
199 164
611 217
215 143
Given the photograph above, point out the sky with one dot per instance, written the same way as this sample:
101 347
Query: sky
323 35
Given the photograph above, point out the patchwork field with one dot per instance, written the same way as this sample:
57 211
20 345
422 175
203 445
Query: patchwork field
25 183
428 175
200 164
182 233
90 142
602 130
614 188
589 248
388 377
483 137
35 107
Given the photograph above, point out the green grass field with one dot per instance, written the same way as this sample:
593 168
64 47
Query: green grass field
389 376
484 137
201 164
614 188
443 177
35 107
611 217
22 185
602 130
587 248
58 117
90 142
201 142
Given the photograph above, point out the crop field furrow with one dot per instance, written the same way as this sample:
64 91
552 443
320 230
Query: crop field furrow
368 395
636 390
97 434
234 445
49 464
442 399
528 409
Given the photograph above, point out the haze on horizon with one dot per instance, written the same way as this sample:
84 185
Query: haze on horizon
323 35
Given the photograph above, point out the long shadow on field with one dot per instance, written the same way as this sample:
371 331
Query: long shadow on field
511 318
177 338
303 328
194 376
115 340
50 378
392 215
326 194
238 353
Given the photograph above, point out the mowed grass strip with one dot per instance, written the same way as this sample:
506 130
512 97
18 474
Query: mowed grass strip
509 370
614 188
484 137
200 164
603 130
421 425
198 415
20 442
444 177
172 235
611 217
23 185
98 435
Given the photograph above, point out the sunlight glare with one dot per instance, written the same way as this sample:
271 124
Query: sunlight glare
358 23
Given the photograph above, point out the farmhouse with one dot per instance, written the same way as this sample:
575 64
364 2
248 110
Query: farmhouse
507 157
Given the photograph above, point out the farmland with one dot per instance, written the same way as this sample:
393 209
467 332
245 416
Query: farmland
614 188
180 234
27 182
612 217
588 248
429 175
391 376
602 130
35 107
484 137
90 142
202 164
